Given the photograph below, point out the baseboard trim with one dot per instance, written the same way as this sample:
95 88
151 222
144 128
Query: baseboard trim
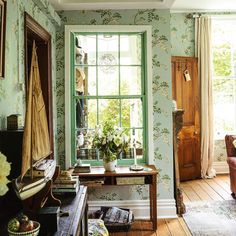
221 167
165 207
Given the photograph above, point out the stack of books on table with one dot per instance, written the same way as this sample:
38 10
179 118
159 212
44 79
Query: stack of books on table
82 168
66 184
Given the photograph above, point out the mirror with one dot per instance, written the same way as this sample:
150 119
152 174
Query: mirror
2 36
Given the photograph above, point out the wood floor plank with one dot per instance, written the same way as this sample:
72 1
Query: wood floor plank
219 189
209 190
223 184
147 225
162 229
120 234
175 227
196 186
184 226
225 178
185 197
191 193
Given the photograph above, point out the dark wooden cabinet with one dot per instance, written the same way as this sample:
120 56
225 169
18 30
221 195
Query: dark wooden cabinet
11 147
76 223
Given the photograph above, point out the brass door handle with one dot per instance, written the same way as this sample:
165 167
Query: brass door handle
195 132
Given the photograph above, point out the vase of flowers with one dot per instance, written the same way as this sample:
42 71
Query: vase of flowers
110 141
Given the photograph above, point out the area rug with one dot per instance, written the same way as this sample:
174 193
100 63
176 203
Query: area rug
216 218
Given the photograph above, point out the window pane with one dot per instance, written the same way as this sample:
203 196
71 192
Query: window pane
224 80
137 139
109 110
108 50
107 76
224 98
130 79
139 143
108 84
131 113
85 80
86 113
79 81
85 49
80 113
222 60
130 49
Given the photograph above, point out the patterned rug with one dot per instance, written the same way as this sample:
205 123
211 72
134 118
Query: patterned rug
216 218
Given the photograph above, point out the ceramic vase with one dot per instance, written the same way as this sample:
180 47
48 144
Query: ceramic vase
110 166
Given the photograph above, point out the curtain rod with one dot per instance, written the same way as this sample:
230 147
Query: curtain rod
213 15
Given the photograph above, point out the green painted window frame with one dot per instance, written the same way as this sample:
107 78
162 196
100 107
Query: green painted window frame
142 96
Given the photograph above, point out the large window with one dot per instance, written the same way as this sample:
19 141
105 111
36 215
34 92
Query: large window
224 76
108 82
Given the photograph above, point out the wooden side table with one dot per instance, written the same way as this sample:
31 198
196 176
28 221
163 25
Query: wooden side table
110 178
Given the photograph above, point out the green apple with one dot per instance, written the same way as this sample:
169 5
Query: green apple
14 225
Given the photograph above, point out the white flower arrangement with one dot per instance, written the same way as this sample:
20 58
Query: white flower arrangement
5 168
110 140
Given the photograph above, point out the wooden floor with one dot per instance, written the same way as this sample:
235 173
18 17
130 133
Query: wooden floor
196 190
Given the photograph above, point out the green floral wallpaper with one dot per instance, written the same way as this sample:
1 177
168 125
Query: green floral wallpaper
160 22
182 34
12 94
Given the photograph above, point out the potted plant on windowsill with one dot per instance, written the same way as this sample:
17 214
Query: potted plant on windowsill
110 141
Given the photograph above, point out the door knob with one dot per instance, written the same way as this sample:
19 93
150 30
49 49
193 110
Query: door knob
195 132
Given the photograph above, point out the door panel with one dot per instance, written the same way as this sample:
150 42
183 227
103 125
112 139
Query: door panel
187 95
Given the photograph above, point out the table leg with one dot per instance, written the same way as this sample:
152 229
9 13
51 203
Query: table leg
154 204
151 201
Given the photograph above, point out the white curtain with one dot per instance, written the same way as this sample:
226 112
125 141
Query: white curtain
203 52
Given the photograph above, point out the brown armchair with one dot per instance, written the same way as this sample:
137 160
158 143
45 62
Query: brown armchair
231 160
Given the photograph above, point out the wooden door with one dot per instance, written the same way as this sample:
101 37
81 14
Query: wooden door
187 95
35 32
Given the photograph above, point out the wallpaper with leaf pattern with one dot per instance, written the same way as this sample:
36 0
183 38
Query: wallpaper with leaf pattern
177 27
182 34
12 94
162 115
183 44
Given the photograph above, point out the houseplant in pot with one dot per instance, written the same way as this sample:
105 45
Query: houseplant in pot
110 141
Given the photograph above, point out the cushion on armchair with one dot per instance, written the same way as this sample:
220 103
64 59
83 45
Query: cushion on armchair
234 143
232 162
230 141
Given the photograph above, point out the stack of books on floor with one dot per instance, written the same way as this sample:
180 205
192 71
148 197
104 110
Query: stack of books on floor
82 168
66 184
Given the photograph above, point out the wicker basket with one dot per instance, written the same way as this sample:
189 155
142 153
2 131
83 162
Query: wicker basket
33 232
118 227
